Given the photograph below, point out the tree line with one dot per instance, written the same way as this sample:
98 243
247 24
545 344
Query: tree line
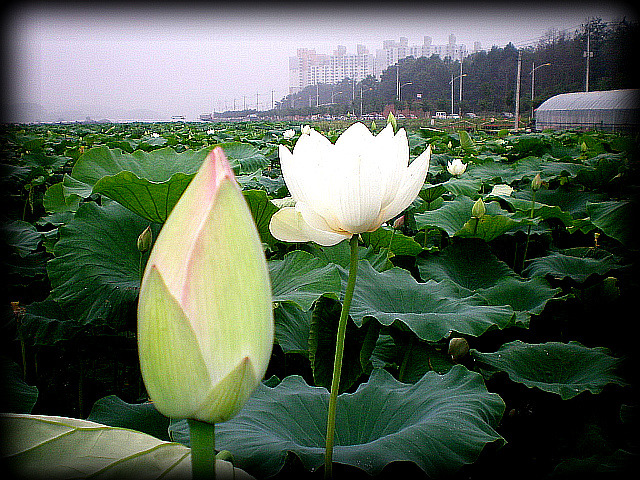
489 77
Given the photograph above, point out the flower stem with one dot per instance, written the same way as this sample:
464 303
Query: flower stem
526 245
337 363
203 451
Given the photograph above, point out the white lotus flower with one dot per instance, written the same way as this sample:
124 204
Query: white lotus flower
155 135
288 134
348 188
210 132
306 129
456 167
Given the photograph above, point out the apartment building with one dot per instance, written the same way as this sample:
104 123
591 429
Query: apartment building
310 68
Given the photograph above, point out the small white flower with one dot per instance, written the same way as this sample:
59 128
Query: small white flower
456 167
211 132
501 189
155 135
306 129
288 134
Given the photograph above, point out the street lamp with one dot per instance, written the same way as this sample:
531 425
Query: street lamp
451 82
370 88
533 76
400 91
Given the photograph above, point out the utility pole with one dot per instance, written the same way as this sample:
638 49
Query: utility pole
460 103
256 101
272 99
516 124
588 54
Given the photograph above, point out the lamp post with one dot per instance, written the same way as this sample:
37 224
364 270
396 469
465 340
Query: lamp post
370 88
453 79
533 77
400 90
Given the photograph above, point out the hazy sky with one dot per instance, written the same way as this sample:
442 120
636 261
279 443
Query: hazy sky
191 59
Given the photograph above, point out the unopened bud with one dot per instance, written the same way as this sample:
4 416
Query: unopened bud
478 209
373 125
458 348
399 222
145 239
392 120
536 183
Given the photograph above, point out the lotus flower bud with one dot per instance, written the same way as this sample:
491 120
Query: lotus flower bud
288 134
478 210
306 130
392 120
145 239
458 348
536 183
373 125
205 319
398 222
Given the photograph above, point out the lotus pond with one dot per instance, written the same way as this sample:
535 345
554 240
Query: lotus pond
494 343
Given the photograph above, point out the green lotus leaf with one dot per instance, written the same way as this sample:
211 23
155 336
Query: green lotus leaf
454 217
566 369
613 218
396 242
301 278
471 265
143 417
440 423
463 185
39 446
576 263
150 183
432 310
292 326
21 236
95 274
17 395
262 210
45 323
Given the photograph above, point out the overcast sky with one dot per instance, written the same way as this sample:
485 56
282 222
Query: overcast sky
193 59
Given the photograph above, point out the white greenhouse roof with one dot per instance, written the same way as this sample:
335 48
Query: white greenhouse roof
604 100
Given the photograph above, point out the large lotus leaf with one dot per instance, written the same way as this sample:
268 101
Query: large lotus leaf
573 202
21 236
440 423
292 326
613 218
454 217
432 310
359 342
463 186
17 396
45 323
262 210
96 271
150 183
39 446
471 265
55 200
340 254
301 278
143 417
540 210
576 263
396 242
566 369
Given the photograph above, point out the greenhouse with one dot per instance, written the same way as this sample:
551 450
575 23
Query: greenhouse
612 110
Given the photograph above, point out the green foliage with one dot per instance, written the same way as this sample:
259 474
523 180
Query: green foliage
523 284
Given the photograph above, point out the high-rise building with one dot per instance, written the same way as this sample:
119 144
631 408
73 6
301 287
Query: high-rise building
309 68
